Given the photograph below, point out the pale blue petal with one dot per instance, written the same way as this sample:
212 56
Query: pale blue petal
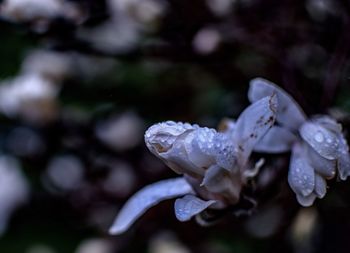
322 166
189 206
219 180
289 113
320 186
328 122
253 124
301 176
177 158
146 198
225 152
344 159
276 140
323 141
306 201
199 147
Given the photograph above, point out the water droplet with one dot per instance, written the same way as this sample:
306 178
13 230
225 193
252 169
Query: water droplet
319 137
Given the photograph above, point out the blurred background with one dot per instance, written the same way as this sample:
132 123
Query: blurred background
80 81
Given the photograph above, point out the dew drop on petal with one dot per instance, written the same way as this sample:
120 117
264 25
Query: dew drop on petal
319 137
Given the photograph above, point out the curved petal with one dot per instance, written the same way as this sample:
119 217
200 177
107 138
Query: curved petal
253 124
306 200
190 205
323 166
177 158
276 140
320 186
146 198
219 180
225 152
289 112
328 123
301 176
320 139
344 159
199 146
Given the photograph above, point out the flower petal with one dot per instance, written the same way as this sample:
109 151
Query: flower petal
322 166
219 180
276 140
225 152
146 198
344 159
328 122
177 158
199 146
301 176
320 186
190 205
253 124
322 140
289 112
306 200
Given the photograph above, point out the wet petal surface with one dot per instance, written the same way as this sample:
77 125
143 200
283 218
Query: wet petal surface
190 205
147 197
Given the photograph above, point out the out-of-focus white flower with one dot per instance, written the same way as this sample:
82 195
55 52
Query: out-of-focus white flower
303 228
121 179
113 36
220 7
215 165
65 172
319 9
166 242
140 11
130 19
39 13
95 245
206 41
27 10
319 147
52 65
27 95
121 132
14 189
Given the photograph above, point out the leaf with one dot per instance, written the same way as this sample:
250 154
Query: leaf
289 113
322 140
276 140
253 124
301 176
190 205
146 198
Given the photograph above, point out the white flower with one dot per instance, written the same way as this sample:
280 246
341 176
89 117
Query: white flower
14 189
318 145
215 164
24 89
